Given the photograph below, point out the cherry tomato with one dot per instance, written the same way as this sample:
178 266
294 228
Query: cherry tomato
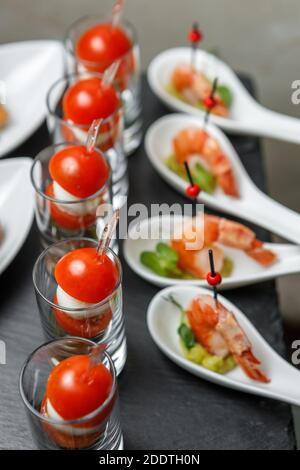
193 191
80 173
86 276
66 220
214 280
76 388
85 328
103 44
88 99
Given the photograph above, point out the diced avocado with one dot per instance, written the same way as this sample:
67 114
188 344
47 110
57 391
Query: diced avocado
227 267
172 90
196 354
174 166
213 363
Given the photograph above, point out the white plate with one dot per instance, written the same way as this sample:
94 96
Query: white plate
27 69
253 204
163 321
246 270
16 206
247 115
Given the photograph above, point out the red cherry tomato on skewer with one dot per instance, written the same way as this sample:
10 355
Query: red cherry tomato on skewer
86 276
76 388
79 172
88 99
103 44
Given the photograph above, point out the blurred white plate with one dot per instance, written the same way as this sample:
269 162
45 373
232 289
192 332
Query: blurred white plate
16 207
247 115
163 320
27 70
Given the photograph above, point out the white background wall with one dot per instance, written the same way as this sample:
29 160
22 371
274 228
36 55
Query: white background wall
261 37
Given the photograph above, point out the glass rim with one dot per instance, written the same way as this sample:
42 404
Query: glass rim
104 188
82 309
71 50
65 78
84 418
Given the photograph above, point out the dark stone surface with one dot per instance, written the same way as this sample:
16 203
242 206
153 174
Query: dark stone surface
162 406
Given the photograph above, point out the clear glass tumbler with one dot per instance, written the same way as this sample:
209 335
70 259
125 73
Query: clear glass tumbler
110 139
100 430
60 219
103 323
128 78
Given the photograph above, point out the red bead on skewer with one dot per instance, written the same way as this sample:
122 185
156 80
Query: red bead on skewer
194 37
209 102
193 190
213 277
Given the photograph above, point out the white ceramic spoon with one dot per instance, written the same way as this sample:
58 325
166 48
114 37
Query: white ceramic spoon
27 70
163 320
247 115
246 270
253 204
16 206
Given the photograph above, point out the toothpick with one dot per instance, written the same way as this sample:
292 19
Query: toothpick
188 172
92 135
108 233
96 355
213 91
117 12
213 272
110 73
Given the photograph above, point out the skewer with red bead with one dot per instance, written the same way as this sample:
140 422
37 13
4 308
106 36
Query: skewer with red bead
210 101
213 278
195 36
193 189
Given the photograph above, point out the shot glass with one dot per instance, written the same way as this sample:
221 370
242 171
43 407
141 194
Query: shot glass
110 139
103 323
128 77
99 430
58 219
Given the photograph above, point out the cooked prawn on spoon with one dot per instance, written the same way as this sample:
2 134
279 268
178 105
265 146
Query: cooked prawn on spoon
194 87
219 332
219 231
209 165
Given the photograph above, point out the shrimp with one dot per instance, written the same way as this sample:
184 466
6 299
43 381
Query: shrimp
196 87
217 329
3 116
224 232
191 141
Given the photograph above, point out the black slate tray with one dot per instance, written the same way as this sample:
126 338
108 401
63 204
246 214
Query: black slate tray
162 406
